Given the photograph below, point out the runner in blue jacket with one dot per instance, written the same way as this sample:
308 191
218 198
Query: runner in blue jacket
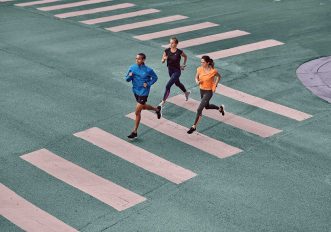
142 78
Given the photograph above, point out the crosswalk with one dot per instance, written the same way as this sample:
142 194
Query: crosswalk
113 194
197 140
95 10
209 39
70 5
26 215
84 180
136 155
229 118
262 103
243 49
105 190
147 23
120 16
175 31
219 54
36 3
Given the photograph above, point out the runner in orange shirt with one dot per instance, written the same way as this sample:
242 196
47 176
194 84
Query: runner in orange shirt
207 77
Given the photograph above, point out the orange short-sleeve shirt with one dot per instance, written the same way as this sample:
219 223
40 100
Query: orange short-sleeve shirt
206 79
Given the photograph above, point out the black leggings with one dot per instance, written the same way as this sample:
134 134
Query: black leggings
174 79
205 98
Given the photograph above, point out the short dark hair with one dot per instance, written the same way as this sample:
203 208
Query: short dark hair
142 55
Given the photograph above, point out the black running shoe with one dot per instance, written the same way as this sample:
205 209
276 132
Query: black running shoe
133 135
191 130
221 110
158 112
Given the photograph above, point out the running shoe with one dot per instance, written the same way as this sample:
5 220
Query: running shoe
191 130
162 103
221 110
133 135
187 93
158 112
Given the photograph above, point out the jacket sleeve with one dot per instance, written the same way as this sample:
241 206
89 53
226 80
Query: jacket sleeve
127 77
152 77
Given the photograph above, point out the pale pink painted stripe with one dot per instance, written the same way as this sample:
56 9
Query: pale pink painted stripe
262 103
35 3
175 31
230 119
70 5
209 39
88 182
95 10
26 215
197 140
243 49
120 16
136 155
146 23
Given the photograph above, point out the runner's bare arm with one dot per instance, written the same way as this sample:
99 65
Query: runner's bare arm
185 60
197 78
218 78
164 57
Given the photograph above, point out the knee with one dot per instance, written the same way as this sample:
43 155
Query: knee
168 86
138 112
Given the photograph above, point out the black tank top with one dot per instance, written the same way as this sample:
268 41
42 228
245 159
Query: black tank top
173 60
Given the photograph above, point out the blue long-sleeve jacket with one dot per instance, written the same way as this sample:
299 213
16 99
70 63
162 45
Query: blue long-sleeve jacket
141 74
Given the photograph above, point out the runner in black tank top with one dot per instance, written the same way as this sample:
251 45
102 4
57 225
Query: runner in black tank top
173 56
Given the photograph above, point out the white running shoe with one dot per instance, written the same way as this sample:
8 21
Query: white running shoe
162 103
187 93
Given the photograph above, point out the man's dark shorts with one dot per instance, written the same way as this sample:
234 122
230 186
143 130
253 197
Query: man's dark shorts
141 99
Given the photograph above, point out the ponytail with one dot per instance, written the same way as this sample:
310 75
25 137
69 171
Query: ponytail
209 61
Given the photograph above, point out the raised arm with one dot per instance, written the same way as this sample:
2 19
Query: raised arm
164 57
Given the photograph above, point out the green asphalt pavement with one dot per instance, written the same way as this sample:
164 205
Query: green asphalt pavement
59 77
